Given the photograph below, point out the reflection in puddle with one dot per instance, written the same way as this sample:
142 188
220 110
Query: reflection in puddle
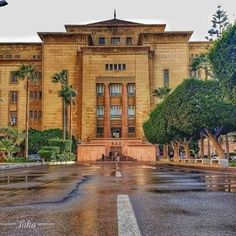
167 180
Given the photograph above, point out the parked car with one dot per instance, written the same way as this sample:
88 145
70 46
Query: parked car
35 157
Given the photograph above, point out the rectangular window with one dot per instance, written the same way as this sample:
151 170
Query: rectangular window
116 111
111 66
166 78
31 115
13 78
100 111
131 111
131 130
115 89
115 41
40 95
107 66
100 132
124 67
193 73
115 67
128 41
100 89
13 118
13 96
131 89
102 41
119 67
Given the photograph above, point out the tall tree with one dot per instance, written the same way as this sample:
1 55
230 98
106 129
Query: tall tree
194 107
68 94
30 74
62 78
219 24
223 59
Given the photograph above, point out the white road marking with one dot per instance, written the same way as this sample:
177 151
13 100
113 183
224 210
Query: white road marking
127 224
118 174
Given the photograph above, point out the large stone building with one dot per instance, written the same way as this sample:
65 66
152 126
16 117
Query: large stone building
114 65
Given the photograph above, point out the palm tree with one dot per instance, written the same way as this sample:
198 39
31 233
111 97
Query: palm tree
31 75
61 77
68 94
11 139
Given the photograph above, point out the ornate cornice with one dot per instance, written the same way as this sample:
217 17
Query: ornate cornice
58 37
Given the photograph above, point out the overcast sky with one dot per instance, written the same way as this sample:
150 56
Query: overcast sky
22 19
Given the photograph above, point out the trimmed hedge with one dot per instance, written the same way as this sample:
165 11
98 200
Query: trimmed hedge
64 145
47 155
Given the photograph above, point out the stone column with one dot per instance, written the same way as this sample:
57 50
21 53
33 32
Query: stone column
124 111
107 121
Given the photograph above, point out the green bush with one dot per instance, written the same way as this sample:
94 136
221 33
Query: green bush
64 145
54 149
66 157
46 154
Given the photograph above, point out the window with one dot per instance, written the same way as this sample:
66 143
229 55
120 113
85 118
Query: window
115 41
35 115
128 41
13 96
116 111
100 111
115 89
115 66
100 89
166 78
13 78
35 95
131 89
100 131
131 130
102 41
131 111
13 118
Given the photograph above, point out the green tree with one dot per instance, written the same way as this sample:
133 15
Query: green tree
161 92
62 78
30 74
10 140
202 62
219 24
194 107
68 94
223 59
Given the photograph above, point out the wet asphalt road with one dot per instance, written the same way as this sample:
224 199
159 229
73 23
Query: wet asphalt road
82 200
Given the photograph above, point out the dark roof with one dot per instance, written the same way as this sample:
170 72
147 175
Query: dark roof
113 22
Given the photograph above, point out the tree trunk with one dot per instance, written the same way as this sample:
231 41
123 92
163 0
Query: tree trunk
165 152
71 120
202 147
27 119
216 145
187 150
208 148
64 119
175 147
227 145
